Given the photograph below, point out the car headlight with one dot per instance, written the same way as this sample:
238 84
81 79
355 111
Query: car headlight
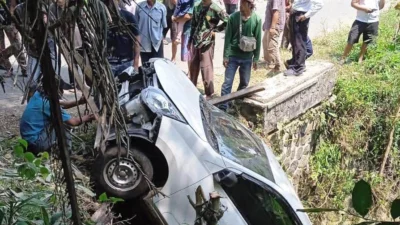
159 103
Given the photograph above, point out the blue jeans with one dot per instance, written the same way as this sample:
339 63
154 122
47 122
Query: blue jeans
117 69
309 48
47 138
244 74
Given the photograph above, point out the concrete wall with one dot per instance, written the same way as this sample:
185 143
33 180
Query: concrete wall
286 98
280 112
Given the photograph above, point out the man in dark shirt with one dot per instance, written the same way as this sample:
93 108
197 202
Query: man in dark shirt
123 50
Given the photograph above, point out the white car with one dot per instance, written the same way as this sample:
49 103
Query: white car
182 142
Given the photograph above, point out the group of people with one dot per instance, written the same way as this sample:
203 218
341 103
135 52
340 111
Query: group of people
243 38
193 24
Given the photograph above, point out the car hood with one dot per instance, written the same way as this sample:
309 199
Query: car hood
182 93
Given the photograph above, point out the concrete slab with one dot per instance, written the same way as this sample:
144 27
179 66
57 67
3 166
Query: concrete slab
285 98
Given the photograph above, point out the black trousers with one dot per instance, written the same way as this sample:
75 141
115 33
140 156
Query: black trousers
70 73
146 56
298 40
169 23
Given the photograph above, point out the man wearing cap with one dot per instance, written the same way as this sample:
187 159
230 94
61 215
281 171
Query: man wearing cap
299 19
249 24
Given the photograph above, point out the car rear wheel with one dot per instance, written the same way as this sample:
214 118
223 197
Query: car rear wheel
126 181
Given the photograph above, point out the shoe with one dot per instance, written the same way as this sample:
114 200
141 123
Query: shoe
291 72
277 69
286 63
165 42
24 73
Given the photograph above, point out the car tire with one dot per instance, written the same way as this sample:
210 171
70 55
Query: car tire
103 166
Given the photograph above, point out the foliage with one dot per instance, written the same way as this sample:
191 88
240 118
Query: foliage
27 193
31 166
104 198
28 207
361 203
354 130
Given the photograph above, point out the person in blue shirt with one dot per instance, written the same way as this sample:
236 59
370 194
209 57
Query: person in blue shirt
182 8
123 50
35 121
152 19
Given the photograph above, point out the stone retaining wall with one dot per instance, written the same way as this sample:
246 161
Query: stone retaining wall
286 98
294 143
280 111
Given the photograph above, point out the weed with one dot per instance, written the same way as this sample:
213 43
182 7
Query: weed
353 141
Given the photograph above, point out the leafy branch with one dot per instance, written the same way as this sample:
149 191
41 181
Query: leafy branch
362 203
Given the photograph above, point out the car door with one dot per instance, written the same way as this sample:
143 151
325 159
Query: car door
260 204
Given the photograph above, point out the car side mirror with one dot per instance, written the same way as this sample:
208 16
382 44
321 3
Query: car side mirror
226 177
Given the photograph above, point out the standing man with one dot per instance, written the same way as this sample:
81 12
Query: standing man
299 18
152 19
187 20
206 16
170 6
248 23
286 33
123 50
55 12
230 6
33 51
273 28
366 23
15 47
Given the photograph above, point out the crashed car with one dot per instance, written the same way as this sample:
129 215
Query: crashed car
180 142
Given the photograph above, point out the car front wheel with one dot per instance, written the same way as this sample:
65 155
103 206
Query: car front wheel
128 180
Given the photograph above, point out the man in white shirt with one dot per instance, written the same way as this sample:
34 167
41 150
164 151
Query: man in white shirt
366 23
299 19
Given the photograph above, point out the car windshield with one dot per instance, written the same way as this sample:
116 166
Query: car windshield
233 141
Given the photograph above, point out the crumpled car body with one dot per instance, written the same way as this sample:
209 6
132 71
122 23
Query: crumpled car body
203 146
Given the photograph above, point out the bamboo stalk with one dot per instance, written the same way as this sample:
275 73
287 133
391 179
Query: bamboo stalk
389 146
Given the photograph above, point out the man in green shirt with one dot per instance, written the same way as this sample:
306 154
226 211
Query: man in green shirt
206 16
234 56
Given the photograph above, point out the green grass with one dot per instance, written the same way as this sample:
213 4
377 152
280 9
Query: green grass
352 144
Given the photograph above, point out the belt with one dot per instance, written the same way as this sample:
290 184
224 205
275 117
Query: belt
117 61
293 11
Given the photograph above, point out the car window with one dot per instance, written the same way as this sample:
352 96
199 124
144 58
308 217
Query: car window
257 205
234 141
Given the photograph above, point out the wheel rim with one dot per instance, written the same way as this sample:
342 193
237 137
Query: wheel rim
125 178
